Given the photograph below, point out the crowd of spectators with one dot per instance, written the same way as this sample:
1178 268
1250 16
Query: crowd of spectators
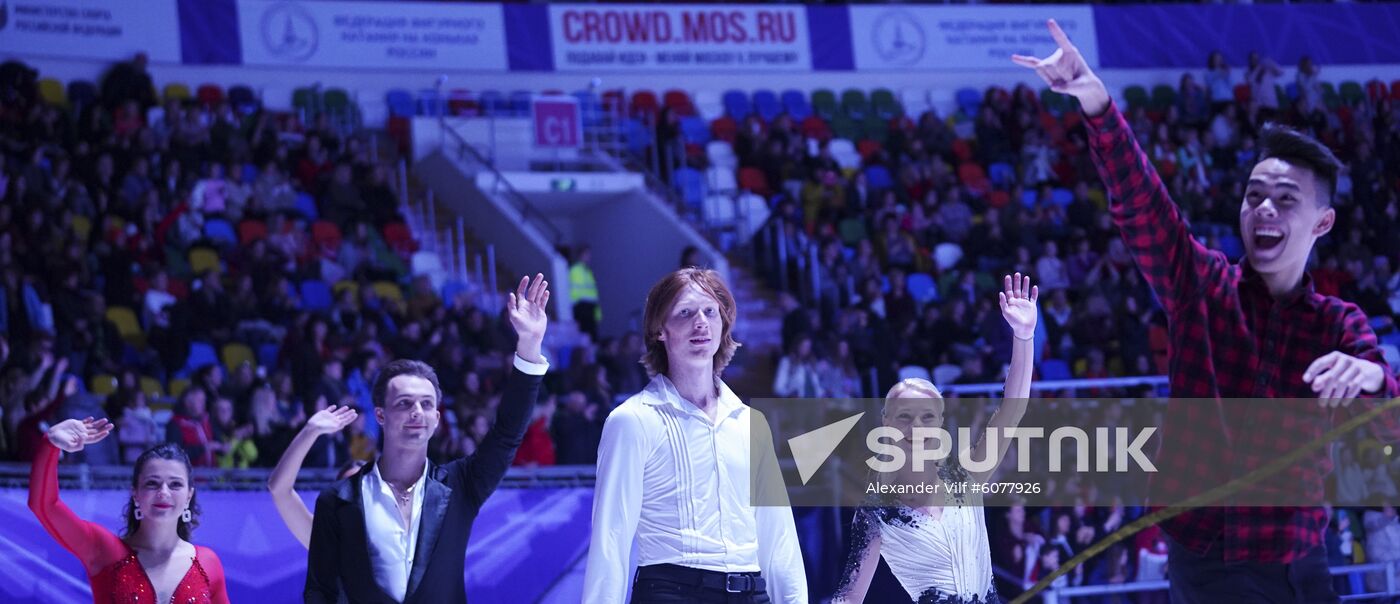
108 203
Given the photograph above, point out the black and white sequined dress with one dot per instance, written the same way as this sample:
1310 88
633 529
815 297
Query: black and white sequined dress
944 560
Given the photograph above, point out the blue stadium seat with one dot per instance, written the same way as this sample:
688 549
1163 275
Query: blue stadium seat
520 102
1028 198
306 204
220 231
695 130
797 106
315 295
921 288
736 104
494 103
1054 369
201 354
243 99
1001 173
969 100
637 135
1061 197
1231 245
267 354
766 104
690 183
430 102
400 102
588 107
878 177
81 92
451 289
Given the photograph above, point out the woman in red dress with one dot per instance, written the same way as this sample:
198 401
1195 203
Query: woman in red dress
155 562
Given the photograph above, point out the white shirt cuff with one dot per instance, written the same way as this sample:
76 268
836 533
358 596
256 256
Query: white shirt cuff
528 368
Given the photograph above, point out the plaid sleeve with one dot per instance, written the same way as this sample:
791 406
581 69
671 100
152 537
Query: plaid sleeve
1172 262
1359 340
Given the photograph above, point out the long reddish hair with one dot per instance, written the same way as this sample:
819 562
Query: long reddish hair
663 295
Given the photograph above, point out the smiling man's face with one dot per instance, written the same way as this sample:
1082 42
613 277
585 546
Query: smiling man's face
1282 214
410 413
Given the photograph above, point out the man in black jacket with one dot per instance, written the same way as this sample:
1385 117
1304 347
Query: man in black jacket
397 531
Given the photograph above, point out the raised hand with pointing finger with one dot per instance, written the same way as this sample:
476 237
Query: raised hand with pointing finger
1066 72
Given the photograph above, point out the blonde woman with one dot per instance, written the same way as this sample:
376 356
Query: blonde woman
936 545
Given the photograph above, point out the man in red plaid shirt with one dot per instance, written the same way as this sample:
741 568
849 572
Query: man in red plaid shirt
1256 330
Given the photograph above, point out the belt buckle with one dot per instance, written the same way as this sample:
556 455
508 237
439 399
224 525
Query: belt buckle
730 580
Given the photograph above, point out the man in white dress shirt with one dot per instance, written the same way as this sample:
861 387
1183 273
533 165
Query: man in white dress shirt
397 531
674 471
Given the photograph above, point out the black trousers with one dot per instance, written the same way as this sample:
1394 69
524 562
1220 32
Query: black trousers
1208 579
660 590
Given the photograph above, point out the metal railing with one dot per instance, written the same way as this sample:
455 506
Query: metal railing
14 475
1064 595
500 185
450 244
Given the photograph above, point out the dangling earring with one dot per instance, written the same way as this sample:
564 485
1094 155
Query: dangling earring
136 510
186 516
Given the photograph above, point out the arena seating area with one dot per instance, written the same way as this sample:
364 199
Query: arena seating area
196 253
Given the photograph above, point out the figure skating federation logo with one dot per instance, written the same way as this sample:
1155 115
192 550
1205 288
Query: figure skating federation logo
898 38
289 32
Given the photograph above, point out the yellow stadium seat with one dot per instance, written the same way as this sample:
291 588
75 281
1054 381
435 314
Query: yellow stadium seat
345 284
235 354
103 384
82 226
388 290
113 223
127 325
51 91
151 387
176 92
179 386
203 259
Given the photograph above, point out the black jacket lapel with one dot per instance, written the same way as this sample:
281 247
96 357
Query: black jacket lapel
354 537
436 497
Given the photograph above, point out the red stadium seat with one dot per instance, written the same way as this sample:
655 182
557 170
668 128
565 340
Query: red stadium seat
1376 91
962 149
1395 90
724 128
679 102
400 131
816 127
644 103
868 149
461 101
614 102
326 237
1242 94
974 177
209 94
251 230
399 239
753 180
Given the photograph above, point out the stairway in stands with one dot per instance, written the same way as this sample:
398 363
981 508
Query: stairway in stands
759 328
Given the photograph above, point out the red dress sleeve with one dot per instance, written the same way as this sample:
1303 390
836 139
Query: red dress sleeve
214 569
92 543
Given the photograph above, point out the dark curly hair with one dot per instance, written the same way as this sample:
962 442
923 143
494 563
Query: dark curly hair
171 452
